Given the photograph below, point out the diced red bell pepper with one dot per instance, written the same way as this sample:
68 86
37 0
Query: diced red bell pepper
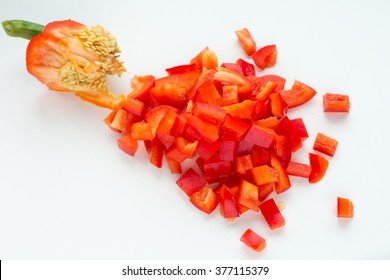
235 191
265 57
210 60
122 121
283 184
260 156
128 144
258 83
228 205
261 111
141 131
282 148
243 164
300 128
163 131
108 120
174 165
344 208
206 131
248 69
253 240
209 113
174 89
215 167
264 174
231 77
265 190
156 153
181 149
206 150
246 40
319 165
270 122
141 87
179 126
228 148
259 136
233 66
235 126
272 214
325 144
180 69
134 106
208 93
229 95
248 195
298 169
156 115
333 102
243 110
198 59
205 199
266 91
286 128
299 94
191 182
278 105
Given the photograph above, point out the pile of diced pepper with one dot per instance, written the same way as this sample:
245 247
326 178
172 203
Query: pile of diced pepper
233 125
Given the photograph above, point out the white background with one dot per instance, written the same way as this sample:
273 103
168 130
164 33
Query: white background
68 192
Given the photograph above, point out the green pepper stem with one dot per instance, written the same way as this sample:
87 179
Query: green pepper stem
22 29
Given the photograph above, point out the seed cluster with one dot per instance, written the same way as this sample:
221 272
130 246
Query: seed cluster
104 47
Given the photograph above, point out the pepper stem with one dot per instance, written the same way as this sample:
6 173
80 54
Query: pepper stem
22 29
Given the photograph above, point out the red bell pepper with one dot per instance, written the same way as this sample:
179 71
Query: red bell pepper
325 144
128 145
253 240
229 95
180 69
205 199
209 113
141 86
278 105
216 167
283 184
208 93
259 136
228 147
260 156
286 128
121 121
243 164
134 106
265 57
344 208
156 153
265 190
336 103
300 128
271 214
246 40
318 165
298 169
228 205
264 174
209 60
248 69
248 195
191 182
64 56
299 94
